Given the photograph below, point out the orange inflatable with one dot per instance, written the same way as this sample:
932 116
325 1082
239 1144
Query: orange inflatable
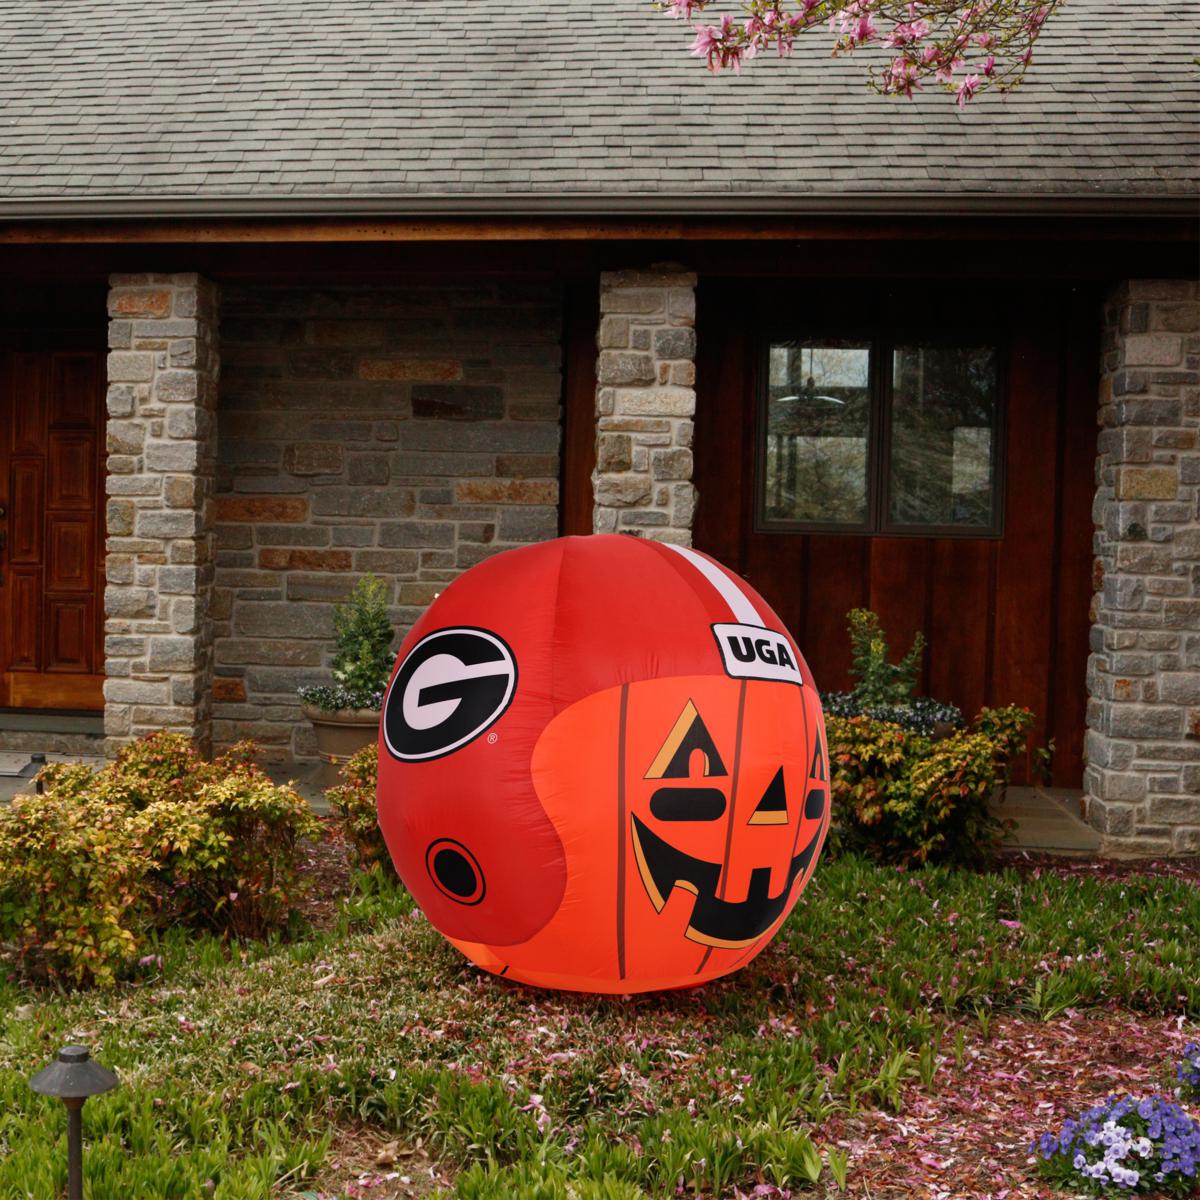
602 766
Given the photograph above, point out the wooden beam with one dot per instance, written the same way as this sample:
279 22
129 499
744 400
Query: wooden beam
582 313
27 269
568 229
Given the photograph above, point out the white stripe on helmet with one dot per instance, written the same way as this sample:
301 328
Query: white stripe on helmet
739 603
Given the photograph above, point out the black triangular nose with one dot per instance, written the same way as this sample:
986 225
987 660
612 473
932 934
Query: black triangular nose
772 808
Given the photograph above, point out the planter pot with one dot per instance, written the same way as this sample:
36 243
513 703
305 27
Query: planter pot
340 734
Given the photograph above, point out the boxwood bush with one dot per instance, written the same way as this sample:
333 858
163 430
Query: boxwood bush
883 689
159 837
921 714
910 782
901 796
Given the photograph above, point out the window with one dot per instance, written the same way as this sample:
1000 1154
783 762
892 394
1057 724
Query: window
871 436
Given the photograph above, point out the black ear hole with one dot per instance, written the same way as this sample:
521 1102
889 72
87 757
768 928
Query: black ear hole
455 871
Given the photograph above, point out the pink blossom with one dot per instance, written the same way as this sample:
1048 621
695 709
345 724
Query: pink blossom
864 30
907 32
934 38
945 72
902 77
1036 19
719 45
966 90
706 42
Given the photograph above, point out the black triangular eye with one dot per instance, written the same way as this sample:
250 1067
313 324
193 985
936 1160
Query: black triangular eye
772 808
817 769
689 733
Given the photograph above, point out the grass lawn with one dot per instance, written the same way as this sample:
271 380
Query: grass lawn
907 1032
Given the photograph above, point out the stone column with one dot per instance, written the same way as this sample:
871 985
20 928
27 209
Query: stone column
162 396
1143 742
645 401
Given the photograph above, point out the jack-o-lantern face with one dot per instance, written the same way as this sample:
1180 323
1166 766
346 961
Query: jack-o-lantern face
717 791
693 797
636 804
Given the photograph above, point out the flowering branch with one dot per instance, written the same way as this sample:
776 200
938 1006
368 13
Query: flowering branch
965 48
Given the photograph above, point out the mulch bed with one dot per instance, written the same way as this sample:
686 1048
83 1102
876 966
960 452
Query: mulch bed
969 1136
367 1164
326 868
1110 869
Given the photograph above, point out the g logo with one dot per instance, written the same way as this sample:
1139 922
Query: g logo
453 685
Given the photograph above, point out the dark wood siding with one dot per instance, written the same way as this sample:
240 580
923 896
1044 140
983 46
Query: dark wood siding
581 317
1006 619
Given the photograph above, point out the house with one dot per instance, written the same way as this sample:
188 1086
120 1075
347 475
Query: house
291 293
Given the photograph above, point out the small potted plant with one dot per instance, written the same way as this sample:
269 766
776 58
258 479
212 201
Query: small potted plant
345 714
883 689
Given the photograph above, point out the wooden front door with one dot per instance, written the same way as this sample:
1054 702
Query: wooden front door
1004 607
52 446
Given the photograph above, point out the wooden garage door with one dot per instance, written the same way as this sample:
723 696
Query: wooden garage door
51 529
1004 608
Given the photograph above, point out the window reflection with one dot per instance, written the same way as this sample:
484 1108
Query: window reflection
818 424
917 453
943 420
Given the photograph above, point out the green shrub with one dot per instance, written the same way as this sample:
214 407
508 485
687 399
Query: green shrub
902 797
363 660
75 898
880 682
354 803
160 836
883 690
161 762
236 870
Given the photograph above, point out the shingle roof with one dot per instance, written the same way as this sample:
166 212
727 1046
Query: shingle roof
188 104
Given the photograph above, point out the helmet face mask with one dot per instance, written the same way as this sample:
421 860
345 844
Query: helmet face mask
647 834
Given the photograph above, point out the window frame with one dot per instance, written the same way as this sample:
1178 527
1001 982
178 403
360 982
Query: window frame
882 347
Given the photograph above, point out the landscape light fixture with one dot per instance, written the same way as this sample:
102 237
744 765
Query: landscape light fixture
73 1077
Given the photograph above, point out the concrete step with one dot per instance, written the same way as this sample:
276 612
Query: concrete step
1046 819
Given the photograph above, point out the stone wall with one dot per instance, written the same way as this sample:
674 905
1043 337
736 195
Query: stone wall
645 401
409 433
162 392
1143 742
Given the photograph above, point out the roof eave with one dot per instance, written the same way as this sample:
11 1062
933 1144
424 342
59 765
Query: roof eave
600 205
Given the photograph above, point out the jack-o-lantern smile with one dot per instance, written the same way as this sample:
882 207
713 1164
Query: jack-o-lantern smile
714 922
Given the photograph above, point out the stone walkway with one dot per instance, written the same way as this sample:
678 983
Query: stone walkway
1048 820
